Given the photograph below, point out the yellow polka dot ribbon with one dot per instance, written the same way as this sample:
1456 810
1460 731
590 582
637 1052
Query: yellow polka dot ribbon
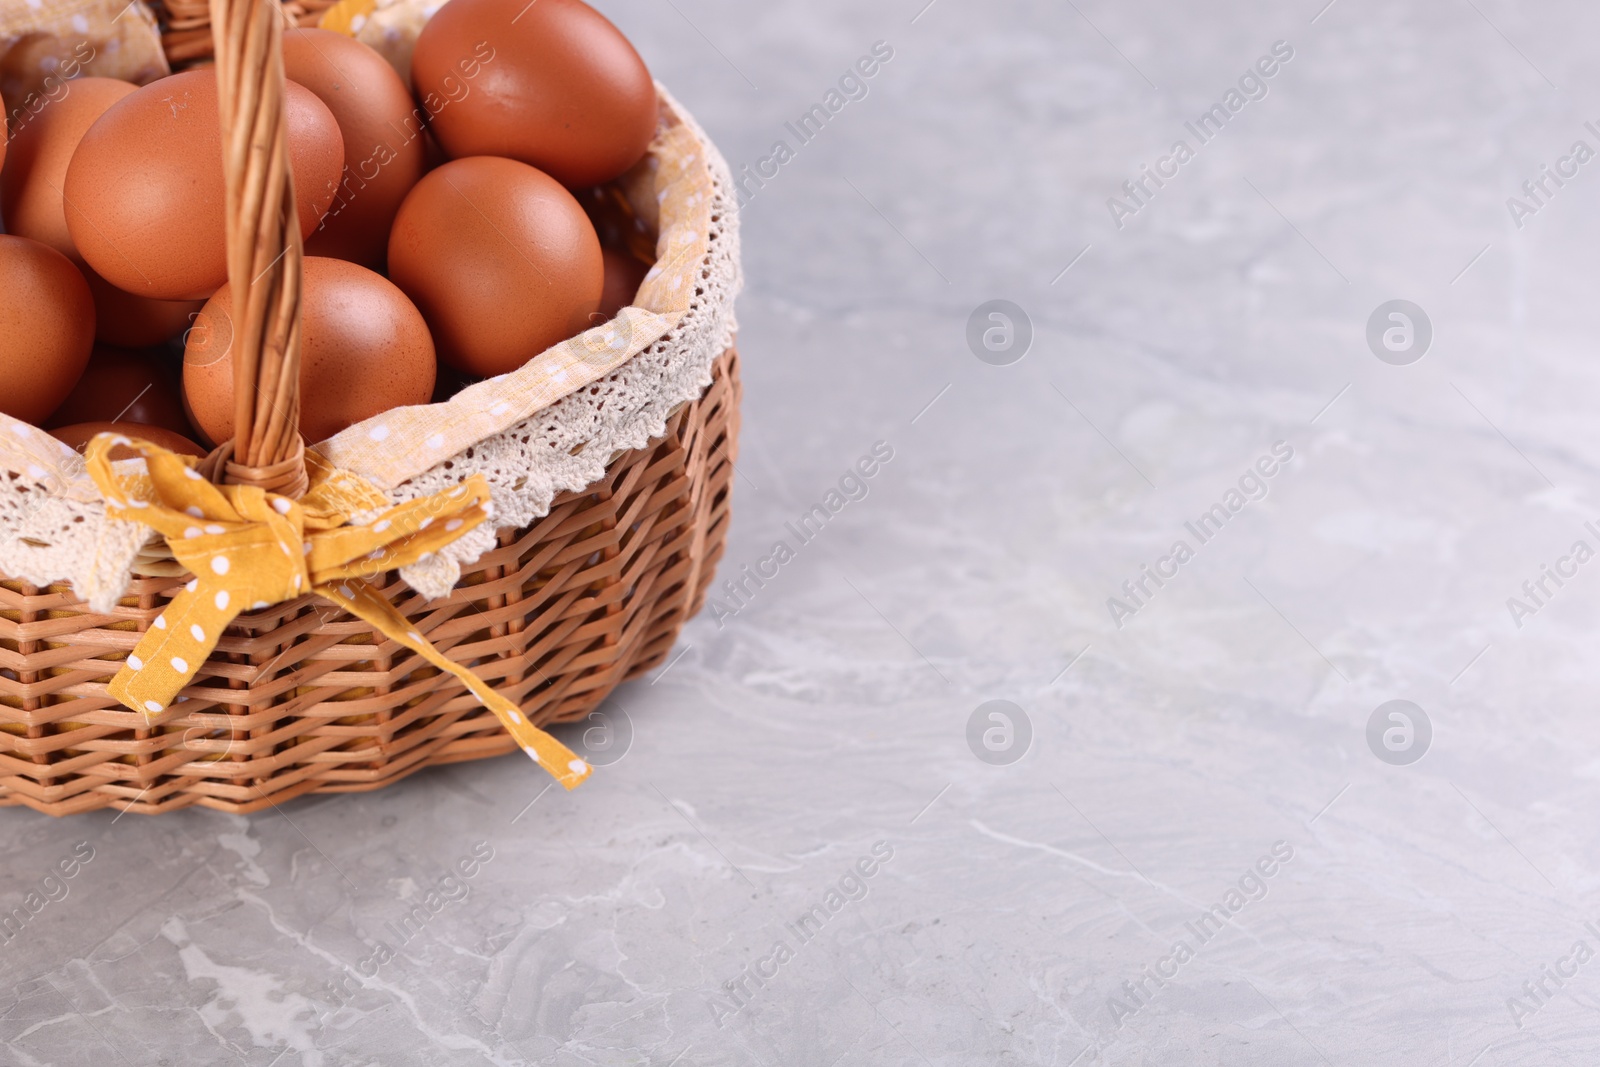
249 549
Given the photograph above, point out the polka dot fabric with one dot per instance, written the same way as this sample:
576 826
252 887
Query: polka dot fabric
103 38
249 549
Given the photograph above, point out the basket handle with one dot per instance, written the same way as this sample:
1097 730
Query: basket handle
264 251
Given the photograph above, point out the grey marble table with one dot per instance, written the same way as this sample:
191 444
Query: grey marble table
1199 832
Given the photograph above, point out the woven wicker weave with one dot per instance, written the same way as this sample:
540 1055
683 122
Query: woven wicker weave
186 25
302 697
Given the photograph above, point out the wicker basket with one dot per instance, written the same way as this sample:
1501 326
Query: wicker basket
302 697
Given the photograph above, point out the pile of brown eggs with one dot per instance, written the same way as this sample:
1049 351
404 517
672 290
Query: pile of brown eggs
440 221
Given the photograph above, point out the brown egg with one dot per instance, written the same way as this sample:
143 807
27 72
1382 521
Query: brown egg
364 350
78 437
46 328
120 385
385 151
501 260
127 321
30 188
30 202
145 188
551 83
624 274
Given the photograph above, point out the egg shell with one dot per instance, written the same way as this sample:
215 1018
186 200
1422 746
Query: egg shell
624 273
122 385
145 186
42 147
78 436
385 148
553 84
46 328
364 350
31 203
124 320
500 258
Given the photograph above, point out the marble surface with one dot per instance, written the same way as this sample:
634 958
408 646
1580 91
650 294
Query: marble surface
1034 898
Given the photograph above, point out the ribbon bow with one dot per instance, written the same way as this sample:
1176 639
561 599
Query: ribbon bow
249 549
